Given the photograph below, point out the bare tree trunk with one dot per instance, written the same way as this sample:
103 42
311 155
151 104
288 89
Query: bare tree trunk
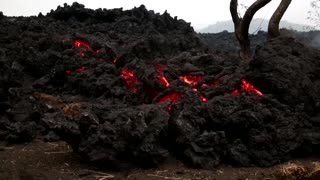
241 25
273 27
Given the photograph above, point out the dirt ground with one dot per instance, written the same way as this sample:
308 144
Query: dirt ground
44 160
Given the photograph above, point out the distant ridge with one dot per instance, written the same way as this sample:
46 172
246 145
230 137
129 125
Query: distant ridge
256 25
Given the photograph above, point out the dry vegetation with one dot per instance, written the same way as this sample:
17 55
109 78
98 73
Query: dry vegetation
297 170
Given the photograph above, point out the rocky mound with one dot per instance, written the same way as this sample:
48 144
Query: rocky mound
133 88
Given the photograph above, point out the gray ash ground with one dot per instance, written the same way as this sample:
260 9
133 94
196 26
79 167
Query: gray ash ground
133 89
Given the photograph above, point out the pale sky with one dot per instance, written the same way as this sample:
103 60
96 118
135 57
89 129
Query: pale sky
199 13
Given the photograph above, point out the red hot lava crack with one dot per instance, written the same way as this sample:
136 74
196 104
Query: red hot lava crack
84 46
192 80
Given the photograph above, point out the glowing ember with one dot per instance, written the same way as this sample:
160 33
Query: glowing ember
130 77
213 84
246 86
235 92
97 51
203 99
68 72
163 80
115 60
250 88
191 80
81 44
172 97
82 54
82 68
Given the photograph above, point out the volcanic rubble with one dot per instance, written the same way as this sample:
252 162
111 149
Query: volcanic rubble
131 88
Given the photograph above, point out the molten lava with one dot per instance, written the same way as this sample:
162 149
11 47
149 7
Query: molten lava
130 77
163 80
235 92
174 96
68 72
250 88
81 44
246 86
82 68
213 84
203 99
191 80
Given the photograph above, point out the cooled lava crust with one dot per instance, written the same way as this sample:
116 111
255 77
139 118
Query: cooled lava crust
131 88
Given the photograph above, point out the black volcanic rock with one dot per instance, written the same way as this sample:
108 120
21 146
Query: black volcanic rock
116 86
295 76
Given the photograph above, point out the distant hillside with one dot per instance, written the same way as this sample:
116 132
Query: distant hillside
226 42
256 25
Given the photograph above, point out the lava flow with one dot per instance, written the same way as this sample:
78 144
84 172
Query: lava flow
212 85
235 92
82 68
163 80
173 97
191 80
130 77
246 86
81 44
250 88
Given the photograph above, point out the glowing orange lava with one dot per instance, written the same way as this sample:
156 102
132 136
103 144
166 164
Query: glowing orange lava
235 92
82 68
191 80
250 88
246 86
172 97
68 72
130 77
81 44
163 80
84 46
203 99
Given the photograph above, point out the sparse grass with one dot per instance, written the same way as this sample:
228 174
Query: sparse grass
292 171
315 172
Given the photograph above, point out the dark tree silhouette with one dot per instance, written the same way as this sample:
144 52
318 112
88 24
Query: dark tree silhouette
273 28
241 25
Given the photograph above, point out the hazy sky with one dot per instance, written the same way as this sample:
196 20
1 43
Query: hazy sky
200 12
